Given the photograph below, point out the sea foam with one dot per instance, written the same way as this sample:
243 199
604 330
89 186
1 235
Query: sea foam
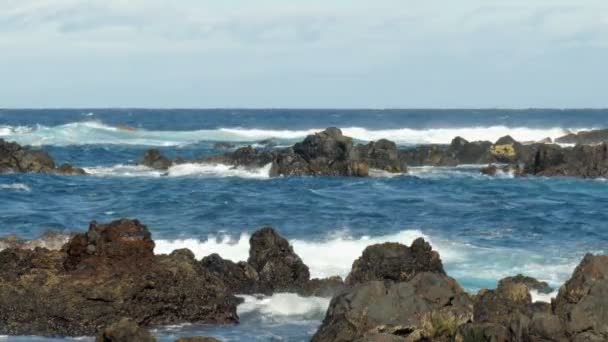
19 187
181 170
335 254
95 132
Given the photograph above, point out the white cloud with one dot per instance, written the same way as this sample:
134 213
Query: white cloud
235 44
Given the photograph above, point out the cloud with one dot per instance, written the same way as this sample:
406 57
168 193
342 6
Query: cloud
349 45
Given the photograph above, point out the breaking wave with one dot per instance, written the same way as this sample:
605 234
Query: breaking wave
181 170
94 132
336 253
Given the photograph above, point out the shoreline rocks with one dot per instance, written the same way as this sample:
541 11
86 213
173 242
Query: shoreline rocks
16 159
393 293
329 153
102 276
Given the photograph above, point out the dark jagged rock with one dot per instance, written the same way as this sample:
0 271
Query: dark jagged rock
277 266
281 270
585 137
531 283
240 277
428 307
102 276
395 262
583 301
154 159
125 330
381 155
469 152
15 158
122 244
580 161
427 155
327 153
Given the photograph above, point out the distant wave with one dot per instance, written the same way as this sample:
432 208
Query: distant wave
94 132
181 170
463 261
19 187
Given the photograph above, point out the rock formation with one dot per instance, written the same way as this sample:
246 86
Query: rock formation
15 158
102 276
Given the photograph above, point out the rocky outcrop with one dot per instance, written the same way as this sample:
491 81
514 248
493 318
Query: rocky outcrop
585 137
327 153
102 276
428 307
580 161
154 159
582 303
240 277
272 267
125 330
397 293
394 262
277 266
15 158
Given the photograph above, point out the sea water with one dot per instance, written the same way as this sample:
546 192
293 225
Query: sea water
484 228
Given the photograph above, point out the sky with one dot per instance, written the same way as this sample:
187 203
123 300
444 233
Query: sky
304 53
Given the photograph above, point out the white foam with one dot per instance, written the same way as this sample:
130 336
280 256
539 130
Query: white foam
95 132
326 258
542 297
284 305
218 170
181 170
15 187
335 254
224 245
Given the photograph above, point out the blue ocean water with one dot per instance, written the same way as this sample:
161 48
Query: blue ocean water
484 228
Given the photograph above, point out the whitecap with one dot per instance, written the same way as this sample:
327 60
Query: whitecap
19 187
335 254
95 132
181 170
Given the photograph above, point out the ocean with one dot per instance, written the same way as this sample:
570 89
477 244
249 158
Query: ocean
485 228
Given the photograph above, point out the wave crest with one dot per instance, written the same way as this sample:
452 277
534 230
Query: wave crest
94 132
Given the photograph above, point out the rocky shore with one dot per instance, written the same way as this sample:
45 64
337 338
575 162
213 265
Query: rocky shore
108 282
330 153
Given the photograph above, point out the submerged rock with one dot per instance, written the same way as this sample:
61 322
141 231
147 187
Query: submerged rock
15 158
125 330
102 276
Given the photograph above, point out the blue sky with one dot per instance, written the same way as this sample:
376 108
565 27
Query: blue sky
297 53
